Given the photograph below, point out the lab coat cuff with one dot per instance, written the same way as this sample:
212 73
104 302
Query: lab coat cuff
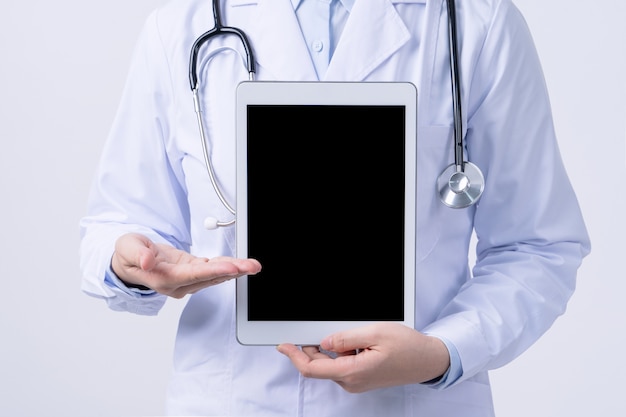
113 280
468 340
455 370
134 300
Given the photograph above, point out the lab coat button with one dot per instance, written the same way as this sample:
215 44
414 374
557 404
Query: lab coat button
317 45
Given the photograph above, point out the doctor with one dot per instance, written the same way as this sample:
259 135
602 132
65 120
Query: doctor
143 240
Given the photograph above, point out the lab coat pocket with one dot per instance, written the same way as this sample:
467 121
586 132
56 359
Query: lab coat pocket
434 153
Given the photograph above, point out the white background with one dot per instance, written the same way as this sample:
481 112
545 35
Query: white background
62 67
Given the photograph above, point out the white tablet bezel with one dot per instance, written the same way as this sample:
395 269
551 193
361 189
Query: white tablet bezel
325 93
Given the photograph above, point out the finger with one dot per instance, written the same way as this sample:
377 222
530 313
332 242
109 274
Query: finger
292 352
304 355
314 352
350 341
189 278
247 266
319 365
223 270
182 291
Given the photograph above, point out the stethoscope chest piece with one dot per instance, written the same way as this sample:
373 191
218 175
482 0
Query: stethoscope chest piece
460 187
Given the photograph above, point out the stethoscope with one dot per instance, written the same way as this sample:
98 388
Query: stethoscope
460 185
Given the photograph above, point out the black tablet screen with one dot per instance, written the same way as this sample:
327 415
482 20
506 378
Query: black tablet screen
326 212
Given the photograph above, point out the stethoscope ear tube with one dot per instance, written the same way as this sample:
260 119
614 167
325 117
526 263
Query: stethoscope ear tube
217 30
461 184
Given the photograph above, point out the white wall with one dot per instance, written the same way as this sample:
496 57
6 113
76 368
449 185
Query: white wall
62 66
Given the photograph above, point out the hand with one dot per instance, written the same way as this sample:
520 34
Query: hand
167 270
375 356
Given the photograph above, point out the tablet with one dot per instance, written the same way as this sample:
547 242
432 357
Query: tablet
326 178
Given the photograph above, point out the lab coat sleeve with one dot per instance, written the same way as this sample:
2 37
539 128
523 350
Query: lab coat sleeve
531 238
137 187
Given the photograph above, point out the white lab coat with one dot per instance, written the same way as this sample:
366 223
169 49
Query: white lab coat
530 232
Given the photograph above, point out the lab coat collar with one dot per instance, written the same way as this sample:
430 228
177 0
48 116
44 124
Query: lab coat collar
278 43
373 32
345 3
349 3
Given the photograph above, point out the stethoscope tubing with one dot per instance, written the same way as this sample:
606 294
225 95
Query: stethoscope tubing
456 86
217 30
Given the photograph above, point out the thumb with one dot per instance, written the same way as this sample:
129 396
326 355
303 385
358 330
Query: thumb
147 258
136 250
346 341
